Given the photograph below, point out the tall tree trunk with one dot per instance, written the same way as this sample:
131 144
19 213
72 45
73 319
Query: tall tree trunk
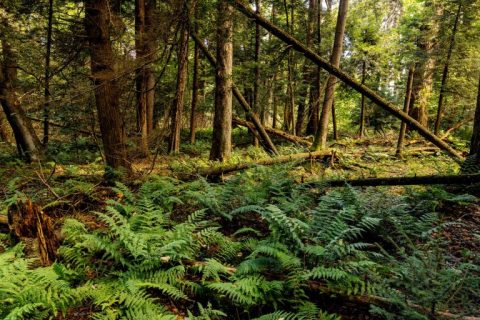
222 122
445 71
28 144
320 141
288 115
4 133
314 96
97 23
195 84
46 107
475 142
361 131
151 48
406 107
308 69
256 83
182 77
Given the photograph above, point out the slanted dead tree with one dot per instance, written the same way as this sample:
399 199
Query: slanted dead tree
348 80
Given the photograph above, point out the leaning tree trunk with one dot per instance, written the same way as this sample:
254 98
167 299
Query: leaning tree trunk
320 141
475 142
222 122
28 144
97 27
445 72
182 77
348 80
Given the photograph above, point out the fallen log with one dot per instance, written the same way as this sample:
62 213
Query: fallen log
347 79
465 179
215 172
265 138
382 302
275 132
456 127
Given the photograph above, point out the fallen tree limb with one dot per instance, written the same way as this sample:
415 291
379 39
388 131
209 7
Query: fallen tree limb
215 172
382 302
57 125
265 139
275 132
466 179
456 126
347 79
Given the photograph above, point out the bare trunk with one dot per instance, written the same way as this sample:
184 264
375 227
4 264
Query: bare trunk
361 131
320 141
182 77
97 22
28 144
46 110
406 107
475 142
256 84
4 134
334 121
195 89
445 72
222 124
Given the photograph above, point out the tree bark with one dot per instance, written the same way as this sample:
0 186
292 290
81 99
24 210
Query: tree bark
406 106
334 121
46 107
97 23
222 124
182 77
350 81
4 133
445 72
28 144
256 83
195 87
475 141
145 79
266 141
361 130
320 141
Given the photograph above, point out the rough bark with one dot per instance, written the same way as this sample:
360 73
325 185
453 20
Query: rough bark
222 124
195 85
28 222
182 77
320 141
97 23
4 132
28 144
46 107
256 82
406 106
145 80
347 79
475 141
266 141
445 71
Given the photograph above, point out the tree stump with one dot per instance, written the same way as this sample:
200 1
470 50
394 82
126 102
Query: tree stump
28 223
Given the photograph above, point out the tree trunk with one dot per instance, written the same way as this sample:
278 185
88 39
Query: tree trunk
46 107
28 144
320 141
334 121
361 131
97 26
348 80
445 72
222 124
145 80
406 106
475 142
266 141
4 134
195 86
256 83
182 78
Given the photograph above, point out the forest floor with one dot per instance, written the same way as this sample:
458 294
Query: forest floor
74 190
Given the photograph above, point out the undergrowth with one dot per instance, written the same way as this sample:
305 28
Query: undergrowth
259 246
